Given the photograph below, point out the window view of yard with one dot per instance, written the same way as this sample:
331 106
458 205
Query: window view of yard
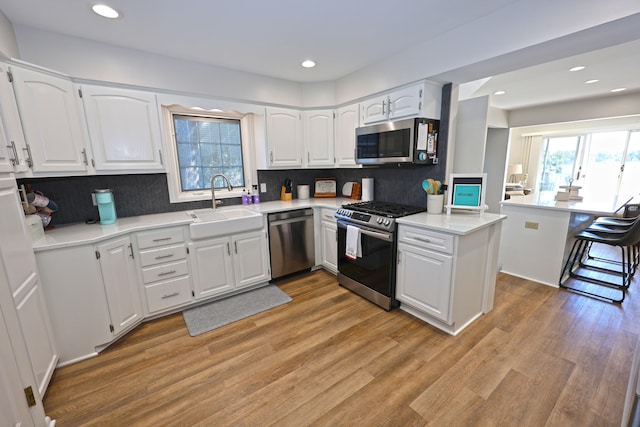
600 163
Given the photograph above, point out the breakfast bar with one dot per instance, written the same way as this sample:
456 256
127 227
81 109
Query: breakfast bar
539 231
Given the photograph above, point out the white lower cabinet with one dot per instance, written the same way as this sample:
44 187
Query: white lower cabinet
164 269
223 264
120 283
329 230
78 281
441 277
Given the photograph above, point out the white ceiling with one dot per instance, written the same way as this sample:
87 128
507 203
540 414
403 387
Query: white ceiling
343 36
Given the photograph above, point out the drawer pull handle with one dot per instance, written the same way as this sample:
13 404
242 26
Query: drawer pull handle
166 273
162 239
329 217
422 239
164 256
173 294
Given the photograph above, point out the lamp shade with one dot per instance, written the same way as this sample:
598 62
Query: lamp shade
514 169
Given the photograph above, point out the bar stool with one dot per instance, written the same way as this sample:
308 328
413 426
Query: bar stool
626 239
615 225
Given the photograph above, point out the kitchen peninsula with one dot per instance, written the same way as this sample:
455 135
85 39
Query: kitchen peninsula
538 232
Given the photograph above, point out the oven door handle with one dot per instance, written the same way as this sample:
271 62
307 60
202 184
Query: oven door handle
387 237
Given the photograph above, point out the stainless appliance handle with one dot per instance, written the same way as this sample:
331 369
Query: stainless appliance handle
387 237
289 220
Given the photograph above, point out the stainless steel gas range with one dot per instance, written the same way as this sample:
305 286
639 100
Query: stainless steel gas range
371 272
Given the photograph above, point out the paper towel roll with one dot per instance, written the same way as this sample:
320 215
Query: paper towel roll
367 189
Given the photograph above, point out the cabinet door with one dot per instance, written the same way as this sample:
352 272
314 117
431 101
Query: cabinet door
17 256
330 245
13 152
212 268
318 136
250 259
120 283
124 128
424 280
374 110
284 137
346 123
405 102
51 119
37 332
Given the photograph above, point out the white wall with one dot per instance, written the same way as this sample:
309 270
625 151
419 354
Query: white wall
8 43
494 166
86 59
471 135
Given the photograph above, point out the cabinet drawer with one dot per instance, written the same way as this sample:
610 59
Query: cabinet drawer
165 271
158 256
152 239
427 239
328 214
168 294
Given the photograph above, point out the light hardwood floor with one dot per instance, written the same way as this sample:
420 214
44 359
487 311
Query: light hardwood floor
542 357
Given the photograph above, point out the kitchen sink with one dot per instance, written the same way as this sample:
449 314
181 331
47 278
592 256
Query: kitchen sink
217 222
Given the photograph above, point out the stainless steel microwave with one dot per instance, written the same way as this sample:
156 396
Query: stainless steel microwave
403 141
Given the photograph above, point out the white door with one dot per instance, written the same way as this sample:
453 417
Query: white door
24 285
284 137
374 110
211 266
13 154
405 102
318 135
346 124
120 283
50 113
124 128
15 369
250 259
330 245
424 280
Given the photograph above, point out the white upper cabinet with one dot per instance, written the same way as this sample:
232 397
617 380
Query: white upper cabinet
318 137
347 120
284 138
419 100
13 148
50 113
124 129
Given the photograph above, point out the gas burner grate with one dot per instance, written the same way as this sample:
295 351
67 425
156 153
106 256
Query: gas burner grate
391 210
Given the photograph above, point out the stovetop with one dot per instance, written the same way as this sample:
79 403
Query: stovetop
378 215
390 210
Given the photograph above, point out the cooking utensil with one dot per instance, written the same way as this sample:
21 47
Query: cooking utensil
427 186
436 187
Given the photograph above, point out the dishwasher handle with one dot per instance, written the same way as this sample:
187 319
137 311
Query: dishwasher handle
279 222
298 214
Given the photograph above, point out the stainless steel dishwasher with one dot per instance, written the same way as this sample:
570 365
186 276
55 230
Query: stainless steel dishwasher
291 242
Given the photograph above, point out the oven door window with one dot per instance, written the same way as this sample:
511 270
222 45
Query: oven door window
375 269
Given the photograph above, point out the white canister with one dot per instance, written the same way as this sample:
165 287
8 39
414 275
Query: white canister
367 189
435 203
303 191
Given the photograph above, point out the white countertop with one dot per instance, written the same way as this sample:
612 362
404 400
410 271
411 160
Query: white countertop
457 223
602 205
82 234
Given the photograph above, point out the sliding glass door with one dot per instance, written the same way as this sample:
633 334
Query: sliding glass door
630 182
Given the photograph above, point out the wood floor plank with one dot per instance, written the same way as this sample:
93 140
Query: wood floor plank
543 356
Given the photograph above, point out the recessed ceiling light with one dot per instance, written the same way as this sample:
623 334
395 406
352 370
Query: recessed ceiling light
500 92
578 68
620 89
592 81
105 11
308 64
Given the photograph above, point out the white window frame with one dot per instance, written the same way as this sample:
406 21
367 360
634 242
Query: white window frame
176 195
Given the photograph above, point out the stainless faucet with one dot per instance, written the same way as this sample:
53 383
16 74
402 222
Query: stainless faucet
213 192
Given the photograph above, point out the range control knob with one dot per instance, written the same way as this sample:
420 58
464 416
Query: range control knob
379 220
387 222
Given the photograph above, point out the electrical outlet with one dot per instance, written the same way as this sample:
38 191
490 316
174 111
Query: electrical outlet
263 187
531 225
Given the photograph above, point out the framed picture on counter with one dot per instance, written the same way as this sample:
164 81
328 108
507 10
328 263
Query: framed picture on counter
467 191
